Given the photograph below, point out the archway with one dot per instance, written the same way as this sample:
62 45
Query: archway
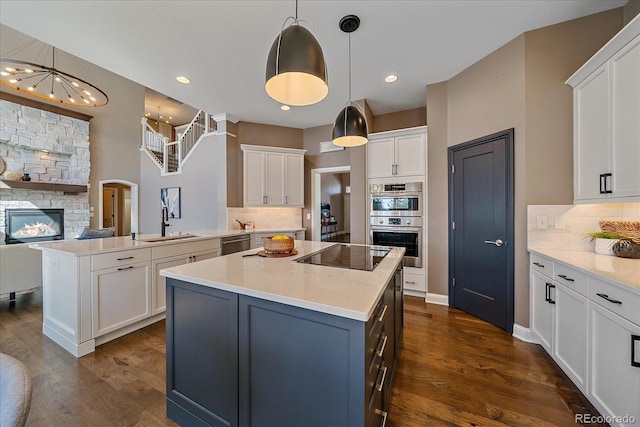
123 205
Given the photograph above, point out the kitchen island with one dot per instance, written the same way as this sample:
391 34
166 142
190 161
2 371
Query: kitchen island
276 342
97 290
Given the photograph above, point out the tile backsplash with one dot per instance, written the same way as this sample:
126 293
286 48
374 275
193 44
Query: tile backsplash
265 218
567 225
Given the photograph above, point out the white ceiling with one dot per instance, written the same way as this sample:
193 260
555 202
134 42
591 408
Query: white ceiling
222 46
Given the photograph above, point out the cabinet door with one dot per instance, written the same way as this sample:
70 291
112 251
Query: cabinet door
254 172
591 134
570 335
542 311
274 179
159 290
381 157
121 296
411 154
294 180
201 256
625 80
614 381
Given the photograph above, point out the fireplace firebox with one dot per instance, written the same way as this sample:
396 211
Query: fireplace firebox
33 225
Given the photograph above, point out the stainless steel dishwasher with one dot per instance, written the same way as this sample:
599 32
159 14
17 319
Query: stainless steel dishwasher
232 244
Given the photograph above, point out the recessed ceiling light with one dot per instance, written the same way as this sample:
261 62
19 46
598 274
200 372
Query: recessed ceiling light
391 78
183 80
285 108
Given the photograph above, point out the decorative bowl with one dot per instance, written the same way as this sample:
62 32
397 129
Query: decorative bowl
278 246
12 176
626 248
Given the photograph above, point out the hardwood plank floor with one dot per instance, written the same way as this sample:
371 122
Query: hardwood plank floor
454 370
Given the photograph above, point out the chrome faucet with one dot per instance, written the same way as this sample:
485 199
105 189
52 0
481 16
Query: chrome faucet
165 221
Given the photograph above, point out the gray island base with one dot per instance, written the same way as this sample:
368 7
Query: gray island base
238 360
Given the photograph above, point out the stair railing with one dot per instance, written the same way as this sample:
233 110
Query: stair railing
153 142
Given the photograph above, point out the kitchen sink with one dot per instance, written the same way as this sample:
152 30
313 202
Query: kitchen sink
167 238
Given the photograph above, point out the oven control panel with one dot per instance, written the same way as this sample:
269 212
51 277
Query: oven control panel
390 221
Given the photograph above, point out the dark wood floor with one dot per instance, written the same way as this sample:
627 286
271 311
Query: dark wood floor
454 370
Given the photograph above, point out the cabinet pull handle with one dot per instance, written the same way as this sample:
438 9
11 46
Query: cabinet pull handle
613 301
551 286
122 259
546 292
383 414
380 349
409 283
605 183
538 264
380 384
125 268
384 310
568 279
634 338
286 200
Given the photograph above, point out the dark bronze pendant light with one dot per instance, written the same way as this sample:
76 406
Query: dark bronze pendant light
296 72
350 127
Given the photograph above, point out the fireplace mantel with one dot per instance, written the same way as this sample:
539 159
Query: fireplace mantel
44 186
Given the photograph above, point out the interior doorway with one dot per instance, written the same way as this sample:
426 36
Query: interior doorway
118 206
330 209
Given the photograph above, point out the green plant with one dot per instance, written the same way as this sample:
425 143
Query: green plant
604 235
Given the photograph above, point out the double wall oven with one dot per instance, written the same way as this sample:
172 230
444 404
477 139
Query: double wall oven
395 218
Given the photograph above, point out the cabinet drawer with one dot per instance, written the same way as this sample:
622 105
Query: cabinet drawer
542 265
413 282
185 248
621 302
570 278
115 259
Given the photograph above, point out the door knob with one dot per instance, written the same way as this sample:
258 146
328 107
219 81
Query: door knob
497 242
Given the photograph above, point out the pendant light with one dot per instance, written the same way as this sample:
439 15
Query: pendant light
296 72
350 127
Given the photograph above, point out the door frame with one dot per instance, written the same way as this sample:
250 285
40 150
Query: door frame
316 189
508 135
134 201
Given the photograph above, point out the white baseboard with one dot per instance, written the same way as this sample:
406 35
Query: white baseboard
437 299
524 334
411 293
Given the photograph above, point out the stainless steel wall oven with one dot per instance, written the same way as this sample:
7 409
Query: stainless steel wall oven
395 218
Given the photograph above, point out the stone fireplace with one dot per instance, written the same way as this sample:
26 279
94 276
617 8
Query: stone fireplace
52 148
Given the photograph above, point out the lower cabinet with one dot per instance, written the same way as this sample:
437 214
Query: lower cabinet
237 360
542 309
121 296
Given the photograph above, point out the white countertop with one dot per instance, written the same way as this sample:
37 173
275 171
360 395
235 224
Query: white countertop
622 271
75 247
337 291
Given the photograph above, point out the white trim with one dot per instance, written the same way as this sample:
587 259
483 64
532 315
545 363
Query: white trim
78 350
316 197
413 293
524 334
134 201
247 147
225 117
439 299
401 132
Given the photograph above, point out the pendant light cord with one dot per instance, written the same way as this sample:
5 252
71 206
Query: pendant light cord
349 68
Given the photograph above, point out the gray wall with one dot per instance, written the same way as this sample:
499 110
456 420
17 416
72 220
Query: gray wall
203 189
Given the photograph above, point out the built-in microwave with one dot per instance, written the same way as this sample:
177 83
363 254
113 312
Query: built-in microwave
395 199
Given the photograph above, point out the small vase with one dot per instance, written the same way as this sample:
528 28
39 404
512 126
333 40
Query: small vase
26 177
605 246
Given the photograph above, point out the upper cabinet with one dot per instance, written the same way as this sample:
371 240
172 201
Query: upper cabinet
273 176
397 153
606 121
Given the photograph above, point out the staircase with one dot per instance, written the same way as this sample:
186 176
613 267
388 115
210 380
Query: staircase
171 156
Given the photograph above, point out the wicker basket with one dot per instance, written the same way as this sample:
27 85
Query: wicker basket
628 229
280 246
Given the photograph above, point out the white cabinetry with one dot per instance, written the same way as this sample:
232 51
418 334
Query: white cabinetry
606 104
591 328
273 176
174 255
397 153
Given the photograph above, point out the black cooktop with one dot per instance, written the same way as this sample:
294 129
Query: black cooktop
356 257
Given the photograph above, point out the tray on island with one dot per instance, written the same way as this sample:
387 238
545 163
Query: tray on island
277 254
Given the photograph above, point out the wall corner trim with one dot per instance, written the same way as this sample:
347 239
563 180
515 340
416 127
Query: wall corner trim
439 299
524 334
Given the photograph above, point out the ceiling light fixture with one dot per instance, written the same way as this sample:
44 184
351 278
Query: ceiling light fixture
184 80
350 127
285 108
391 78
49 83
296 71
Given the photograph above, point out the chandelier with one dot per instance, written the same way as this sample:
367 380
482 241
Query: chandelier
50 83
